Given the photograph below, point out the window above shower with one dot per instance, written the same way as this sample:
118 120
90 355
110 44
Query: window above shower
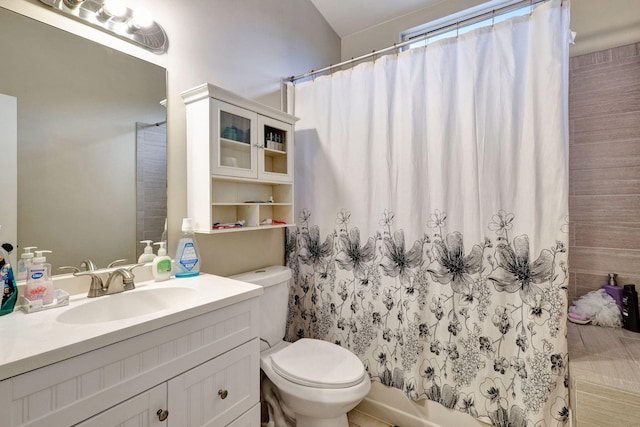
468 20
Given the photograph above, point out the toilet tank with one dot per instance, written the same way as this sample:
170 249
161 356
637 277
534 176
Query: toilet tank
274 303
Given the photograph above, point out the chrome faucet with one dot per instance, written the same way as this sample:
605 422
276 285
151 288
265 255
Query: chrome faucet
97 288
127 277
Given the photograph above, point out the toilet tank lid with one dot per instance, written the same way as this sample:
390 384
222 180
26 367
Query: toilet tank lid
266 276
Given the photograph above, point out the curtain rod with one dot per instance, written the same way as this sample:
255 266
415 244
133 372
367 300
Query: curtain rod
458 24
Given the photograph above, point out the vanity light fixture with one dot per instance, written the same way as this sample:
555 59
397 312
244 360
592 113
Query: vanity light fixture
113 16
72 4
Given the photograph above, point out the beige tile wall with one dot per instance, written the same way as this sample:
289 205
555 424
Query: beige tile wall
151 183
604 168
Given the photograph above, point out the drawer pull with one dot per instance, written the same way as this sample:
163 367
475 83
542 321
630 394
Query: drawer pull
162 415
223 394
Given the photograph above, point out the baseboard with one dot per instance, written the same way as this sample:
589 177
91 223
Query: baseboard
391 415
392 406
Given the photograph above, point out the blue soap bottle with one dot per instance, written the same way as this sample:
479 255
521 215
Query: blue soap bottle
8 282
187 257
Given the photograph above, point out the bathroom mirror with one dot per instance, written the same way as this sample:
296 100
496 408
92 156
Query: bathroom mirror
91 144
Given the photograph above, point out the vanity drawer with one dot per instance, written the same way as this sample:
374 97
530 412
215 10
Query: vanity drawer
218 391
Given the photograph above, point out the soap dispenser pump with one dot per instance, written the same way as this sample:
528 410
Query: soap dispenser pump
161 267
39 281
26 259
614 290
148 254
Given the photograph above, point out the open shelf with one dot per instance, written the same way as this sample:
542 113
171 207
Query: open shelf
240 229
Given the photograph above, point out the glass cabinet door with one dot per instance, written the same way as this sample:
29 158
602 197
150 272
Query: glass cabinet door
275 151
234 141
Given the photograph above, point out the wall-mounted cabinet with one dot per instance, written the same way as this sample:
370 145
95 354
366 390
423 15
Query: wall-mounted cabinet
239 162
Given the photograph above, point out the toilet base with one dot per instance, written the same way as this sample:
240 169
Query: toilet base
339 421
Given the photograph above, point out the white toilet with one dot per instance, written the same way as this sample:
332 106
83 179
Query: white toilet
318 381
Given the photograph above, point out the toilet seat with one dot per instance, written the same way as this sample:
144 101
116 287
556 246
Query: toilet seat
319 364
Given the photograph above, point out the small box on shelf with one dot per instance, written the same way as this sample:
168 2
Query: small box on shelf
274 139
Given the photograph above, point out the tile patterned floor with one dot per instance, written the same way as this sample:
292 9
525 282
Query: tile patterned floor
358 419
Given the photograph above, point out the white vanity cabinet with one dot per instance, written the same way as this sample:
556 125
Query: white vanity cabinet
204 371
239 161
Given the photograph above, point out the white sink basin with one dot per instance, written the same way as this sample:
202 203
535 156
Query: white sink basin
127 304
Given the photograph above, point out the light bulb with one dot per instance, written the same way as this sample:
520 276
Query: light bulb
141 18
112 9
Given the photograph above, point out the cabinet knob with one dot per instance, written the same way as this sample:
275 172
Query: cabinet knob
162 415
223 394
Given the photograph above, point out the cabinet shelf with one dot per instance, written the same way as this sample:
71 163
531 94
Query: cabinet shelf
241 229
274 153
249 204
234 143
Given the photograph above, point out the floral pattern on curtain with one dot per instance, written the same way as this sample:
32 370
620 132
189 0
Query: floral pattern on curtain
427 316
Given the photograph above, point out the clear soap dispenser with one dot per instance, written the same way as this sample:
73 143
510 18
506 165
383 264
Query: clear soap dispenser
148 254
39 281
26 259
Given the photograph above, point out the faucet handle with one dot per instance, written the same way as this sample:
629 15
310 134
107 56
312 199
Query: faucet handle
116 262
127 277
88 265
96 288
130 268
128 282
70 268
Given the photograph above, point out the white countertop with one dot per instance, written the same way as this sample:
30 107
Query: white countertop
30 341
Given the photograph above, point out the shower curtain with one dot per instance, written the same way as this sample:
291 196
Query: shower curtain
432 229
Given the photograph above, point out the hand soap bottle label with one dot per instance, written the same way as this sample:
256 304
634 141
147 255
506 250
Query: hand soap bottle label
6 281
37 288
164 266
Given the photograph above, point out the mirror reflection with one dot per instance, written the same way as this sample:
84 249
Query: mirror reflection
91 145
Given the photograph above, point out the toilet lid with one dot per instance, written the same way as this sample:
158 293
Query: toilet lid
319 364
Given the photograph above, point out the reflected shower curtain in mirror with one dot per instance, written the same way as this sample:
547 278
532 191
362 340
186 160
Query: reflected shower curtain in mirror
432 228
